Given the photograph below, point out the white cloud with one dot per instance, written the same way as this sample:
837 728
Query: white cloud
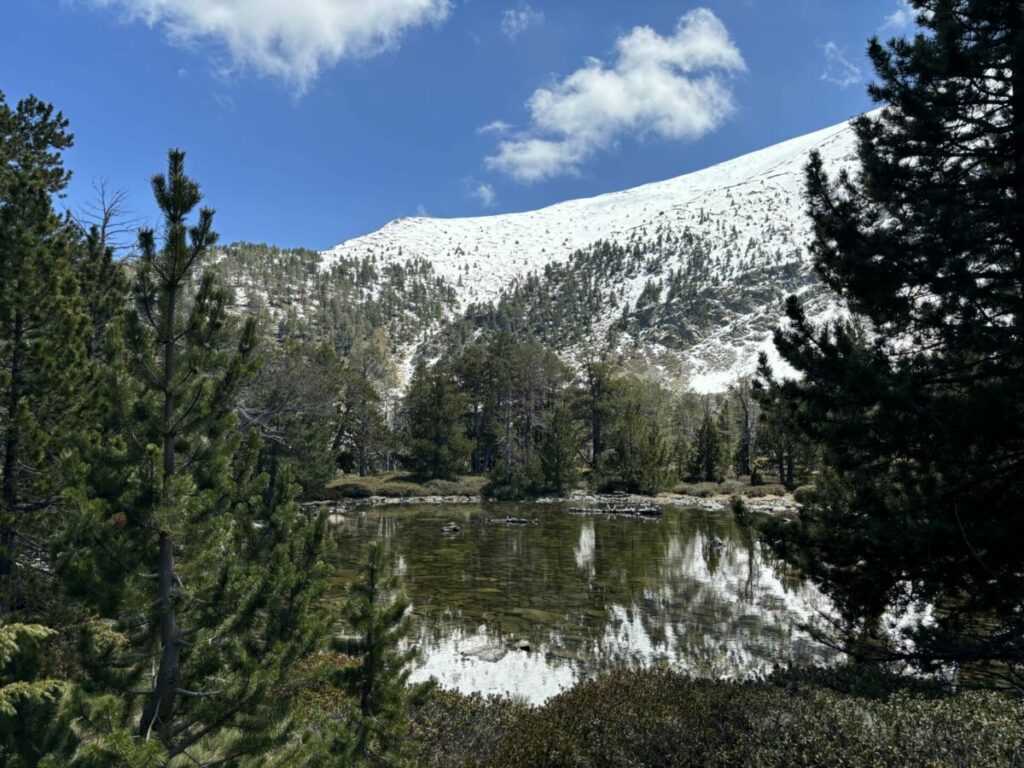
515 21
675 87
292 39
901 18
497 126
838 69
421 211
485 194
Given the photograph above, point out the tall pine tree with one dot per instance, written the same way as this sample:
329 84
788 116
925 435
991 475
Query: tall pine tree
204 568
917 401
42 326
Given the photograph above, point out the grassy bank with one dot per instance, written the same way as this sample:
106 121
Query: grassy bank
659 718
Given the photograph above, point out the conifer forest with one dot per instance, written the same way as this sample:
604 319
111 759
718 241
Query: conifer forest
740 484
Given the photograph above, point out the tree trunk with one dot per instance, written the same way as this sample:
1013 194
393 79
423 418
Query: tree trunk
160 707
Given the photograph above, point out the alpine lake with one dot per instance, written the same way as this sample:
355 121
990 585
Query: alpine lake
528 609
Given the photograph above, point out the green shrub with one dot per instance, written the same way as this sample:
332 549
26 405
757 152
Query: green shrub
759 491
464 486
347 491
700 490
805 494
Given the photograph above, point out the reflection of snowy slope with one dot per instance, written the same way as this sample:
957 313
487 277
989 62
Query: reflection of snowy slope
451 661
748 216
706 606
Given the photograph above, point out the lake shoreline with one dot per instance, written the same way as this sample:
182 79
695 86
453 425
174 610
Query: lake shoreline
775 505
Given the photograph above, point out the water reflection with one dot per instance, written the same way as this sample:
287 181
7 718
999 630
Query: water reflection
692 591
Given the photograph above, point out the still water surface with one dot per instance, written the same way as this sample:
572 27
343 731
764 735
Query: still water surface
691 590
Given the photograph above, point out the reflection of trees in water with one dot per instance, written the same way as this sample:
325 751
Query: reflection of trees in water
693 589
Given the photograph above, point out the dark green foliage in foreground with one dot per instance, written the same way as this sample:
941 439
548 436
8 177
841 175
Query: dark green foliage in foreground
658 719
921 420
201 570
43 329
377 614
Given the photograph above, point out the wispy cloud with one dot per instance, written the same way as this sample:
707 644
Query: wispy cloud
900 19
515 21
838 69
675 86
497 126
290 40
482 192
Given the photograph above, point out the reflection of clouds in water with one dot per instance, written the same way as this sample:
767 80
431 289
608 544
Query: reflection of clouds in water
584 551
532 676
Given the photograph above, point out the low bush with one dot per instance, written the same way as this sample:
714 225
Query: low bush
700 490
464 486
400 486
805 494
846 718
759 491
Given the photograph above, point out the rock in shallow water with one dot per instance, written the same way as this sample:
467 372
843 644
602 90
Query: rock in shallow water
491 652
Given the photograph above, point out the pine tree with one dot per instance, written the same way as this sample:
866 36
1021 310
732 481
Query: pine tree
377 614
208 573
433 412
560 451
640 457
706 458
42 325
367 380
916 402
600 391
292 402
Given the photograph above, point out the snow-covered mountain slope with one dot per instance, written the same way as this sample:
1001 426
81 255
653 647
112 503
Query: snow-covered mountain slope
732 236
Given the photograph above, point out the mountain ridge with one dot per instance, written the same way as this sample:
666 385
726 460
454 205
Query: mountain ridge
744 219
684 278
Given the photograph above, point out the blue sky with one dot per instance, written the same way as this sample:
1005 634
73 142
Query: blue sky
311 121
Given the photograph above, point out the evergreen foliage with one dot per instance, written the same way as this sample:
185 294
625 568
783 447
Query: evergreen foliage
433 411
916 401
640 457
42 329
207 571
376 612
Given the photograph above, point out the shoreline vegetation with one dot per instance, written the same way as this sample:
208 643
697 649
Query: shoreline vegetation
402 489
